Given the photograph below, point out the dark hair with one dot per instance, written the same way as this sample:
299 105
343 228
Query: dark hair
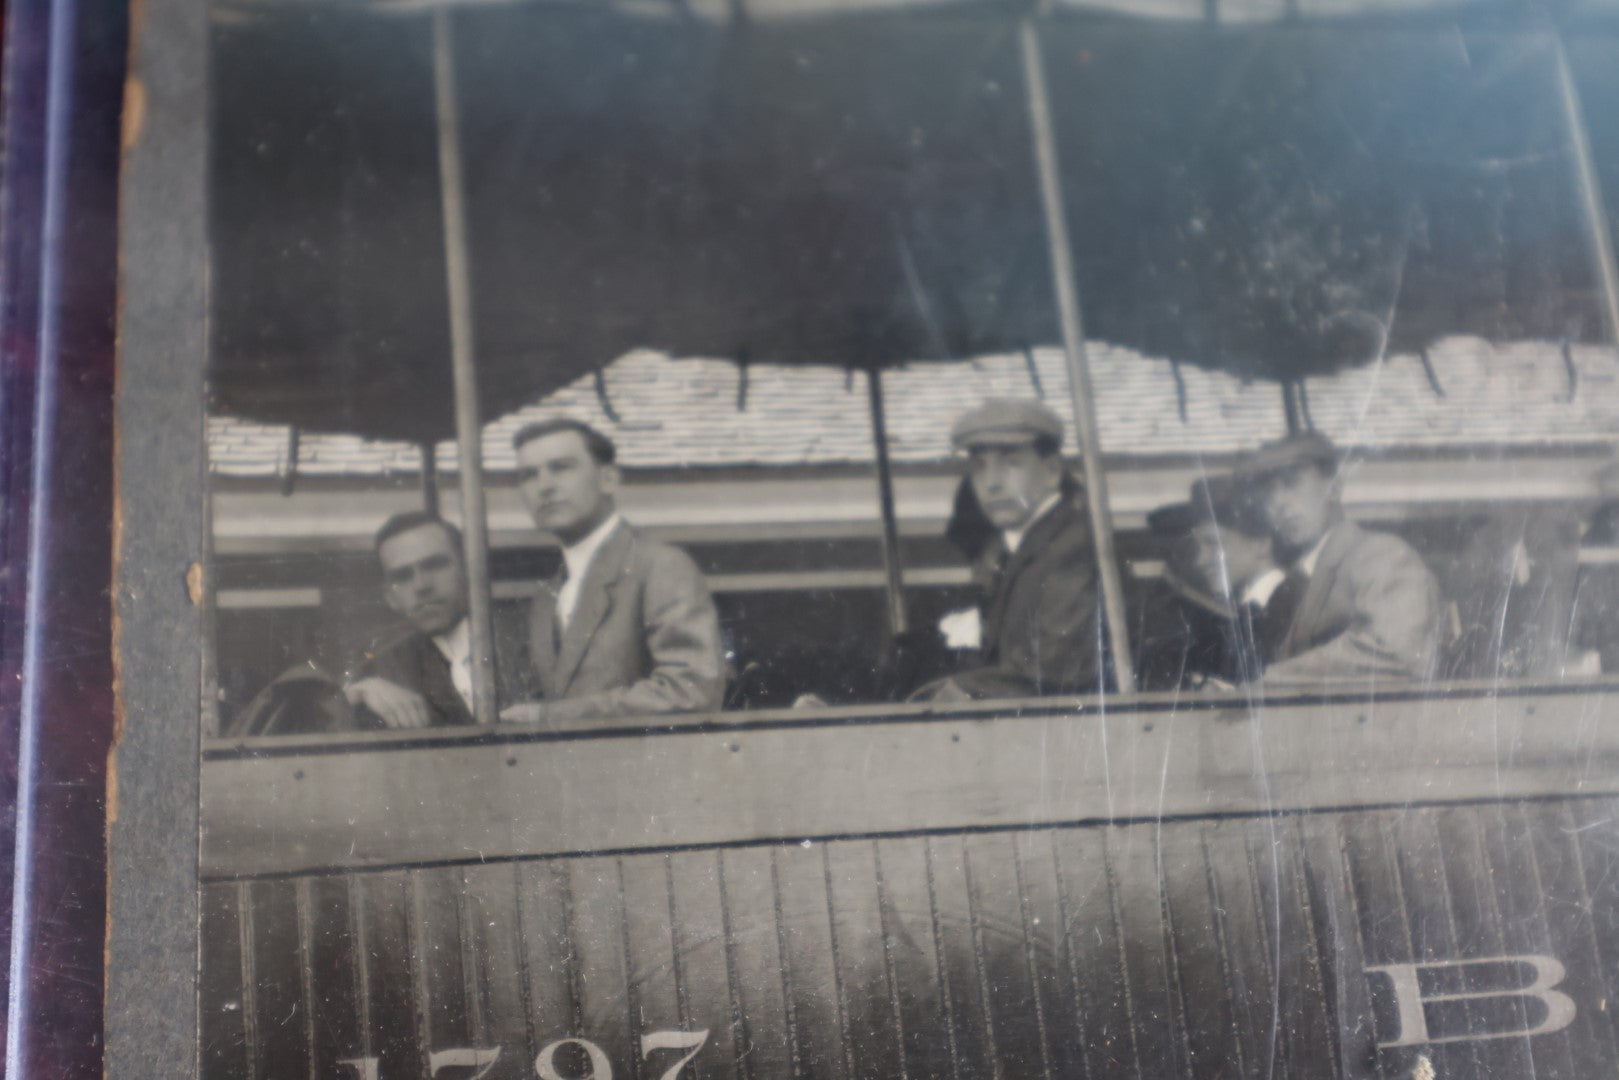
600 446
1047 445
414 519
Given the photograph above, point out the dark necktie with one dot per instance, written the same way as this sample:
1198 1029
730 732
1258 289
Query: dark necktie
558 582
1275 619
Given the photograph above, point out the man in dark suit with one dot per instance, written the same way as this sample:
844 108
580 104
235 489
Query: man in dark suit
1365 605
627 627
1039 620
1204 622
423 677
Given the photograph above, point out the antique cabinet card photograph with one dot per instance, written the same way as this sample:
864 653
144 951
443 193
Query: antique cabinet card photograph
673 539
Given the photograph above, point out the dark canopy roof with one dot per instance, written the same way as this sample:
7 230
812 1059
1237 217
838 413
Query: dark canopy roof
856 188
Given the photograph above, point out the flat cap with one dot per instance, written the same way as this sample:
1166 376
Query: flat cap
1305 448
1005 422
1214 498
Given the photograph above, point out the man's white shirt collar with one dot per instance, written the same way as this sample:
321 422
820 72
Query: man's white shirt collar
456 645
578 557
1263 587
1014 537
1313 556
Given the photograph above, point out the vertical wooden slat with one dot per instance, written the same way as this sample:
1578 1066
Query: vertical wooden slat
699 934
870 1009
548 968
306 972
1339 943
807 934
221 986
1384 926
1245 926
756 961
1085 881
359 933
607 1009
974 1036
491 929
1311 1033
1078 1018
1420 866
390 976
1015 1007
1473 884
336 1019
650 949
278 977
1522 897
1593 829
1200 979
437 959
1264 881
1160 1032
909 929
1571 937
1047 953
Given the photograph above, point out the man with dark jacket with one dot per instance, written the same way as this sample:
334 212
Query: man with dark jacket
1038 623
422 677
1365 606
1208 621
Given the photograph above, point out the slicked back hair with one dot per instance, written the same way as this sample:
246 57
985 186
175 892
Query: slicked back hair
600 446
414 519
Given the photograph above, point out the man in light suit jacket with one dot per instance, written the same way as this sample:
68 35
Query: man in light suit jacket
1356 604
627 627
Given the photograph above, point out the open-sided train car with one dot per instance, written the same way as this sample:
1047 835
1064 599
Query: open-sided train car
1389 881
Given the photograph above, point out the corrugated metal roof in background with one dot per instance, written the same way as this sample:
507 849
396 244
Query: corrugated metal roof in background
675 412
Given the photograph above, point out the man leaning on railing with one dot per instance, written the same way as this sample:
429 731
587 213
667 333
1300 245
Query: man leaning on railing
627 626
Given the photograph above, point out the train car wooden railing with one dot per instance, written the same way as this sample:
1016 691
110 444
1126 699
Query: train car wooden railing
1391 885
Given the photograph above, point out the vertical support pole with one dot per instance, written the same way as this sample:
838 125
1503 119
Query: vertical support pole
430 499
1590 189
206 590
1290 406
1066 284
898 623
468 430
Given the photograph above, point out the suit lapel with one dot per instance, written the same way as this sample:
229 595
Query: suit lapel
1316 596
1039 536
595 601
438 686
542 632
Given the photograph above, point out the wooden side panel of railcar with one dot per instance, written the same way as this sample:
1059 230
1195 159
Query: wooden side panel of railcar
1237 947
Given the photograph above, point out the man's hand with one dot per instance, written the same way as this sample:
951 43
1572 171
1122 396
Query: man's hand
394 705
528 712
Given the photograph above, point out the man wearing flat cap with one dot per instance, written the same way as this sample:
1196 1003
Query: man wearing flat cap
1038 620
1209 623
1367 606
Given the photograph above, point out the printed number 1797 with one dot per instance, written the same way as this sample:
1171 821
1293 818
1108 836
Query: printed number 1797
545 1065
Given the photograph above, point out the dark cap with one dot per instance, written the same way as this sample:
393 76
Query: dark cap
1305 448
1005 422
1215 498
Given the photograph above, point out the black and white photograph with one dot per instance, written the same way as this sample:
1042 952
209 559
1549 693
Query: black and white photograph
886 539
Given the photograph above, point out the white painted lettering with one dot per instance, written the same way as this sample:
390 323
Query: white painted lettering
1409 998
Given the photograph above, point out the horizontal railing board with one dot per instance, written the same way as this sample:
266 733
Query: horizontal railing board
330 805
